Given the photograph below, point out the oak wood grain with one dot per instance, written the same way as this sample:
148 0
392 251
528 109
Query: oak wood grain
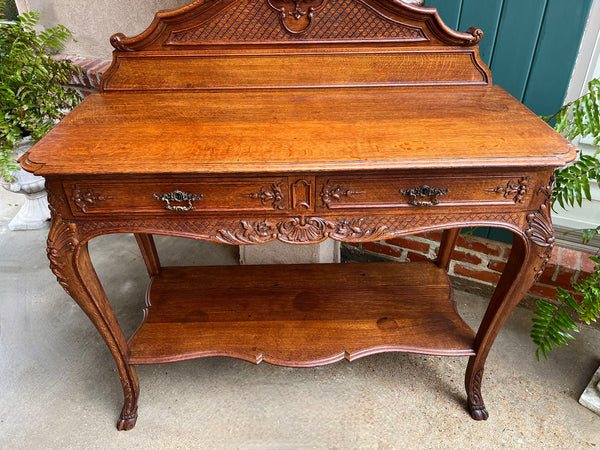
356 120
297 131
289 315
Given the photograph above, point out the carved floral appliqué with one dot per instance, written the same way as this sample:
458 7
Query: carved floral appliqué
273 194
330 193
86 198
517 189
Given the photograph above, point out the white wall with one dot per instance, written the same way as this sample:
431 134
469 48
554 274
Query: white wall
587 67
94 22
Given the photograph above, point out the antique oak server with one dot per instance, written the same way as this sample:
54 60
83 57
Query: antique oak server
246 121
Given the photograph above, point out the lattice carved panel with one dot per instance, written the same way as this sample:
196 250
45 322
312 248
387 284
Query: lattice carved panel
300 230
255 20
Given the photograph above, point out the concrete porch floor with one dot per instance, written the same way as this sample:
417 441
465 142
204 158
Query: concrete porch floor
59 387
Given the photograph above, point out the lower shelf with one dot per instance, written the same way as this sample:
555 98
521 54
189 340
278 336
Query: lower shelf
300 315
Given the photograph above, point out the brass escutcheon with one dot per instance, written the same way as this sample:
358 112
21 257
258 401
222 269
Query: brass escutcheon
178 196
423 192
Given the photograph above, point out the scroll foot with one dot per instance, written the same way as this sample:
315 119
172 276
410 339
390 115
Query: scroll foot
473 380
127 421
478 412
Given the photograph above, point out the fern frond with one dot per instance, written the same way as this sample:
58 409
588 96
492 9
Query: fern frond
582 116
552 324
572 183
590 233
551 328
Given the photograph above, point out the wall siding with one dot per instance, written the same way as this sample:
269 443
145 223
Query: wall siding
486 14
531 47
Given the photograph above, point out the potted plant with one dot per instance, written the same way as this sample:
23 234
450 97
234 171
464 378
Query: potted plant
553 324
33 98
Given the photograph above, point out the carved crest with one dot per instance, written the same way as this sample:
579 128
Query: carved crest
296 15
222 21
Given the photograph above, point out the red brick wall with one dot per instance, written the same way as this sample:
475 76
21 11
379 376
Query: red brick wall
87 80
479 261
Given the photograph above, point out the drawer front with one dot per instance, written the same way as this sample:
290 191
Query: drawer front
421 192
178 197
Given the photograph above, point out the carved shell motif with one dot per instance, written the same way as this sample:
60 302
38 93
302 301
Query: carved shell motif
302 230
61 242
540 230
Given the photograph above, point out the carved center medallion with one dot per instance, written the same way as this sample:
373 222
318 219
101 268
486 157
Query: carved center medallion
296 15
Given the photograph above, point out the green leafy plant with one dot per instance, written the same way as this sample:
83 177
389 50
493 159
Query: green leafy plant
33 96
553 325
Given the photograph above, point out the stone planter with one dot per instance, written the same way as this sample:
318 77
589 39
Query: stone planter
591 396
34 213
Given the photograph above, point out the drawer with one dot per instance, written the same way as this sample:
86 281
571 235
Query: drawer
178 197
420 191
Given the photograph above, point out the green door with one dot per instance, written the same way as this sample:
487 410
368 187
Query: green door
530 46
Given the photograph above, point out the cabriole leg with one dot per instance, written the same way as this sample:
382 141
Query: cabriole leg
70 262
528 256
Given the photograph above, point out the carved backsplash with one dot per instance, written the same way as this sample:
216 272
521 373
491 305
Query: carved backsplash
285 20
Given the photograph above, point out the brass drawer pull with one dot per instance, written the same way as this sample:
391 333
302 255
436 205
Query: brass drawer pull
178 197
424 192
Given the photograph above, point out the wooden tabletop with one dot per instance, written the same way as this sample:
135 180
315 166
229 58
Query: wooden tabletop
297 130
